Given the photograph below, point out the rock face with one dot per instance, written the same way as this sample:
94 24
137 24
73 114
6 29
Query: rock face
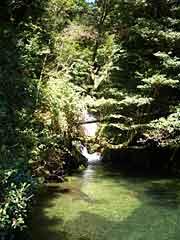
154 160
75 160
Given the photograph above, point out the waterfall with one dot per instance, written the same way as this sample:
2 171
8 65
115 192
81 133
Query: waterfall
92 158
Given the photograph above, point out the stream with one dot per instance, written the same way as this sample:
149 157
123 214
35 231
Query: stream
103 203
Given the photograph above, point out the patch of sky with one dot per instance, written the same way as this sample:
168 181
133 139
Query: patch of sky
90 1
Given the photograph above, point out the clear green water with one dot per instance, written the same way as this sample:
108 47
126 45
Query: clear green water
102 204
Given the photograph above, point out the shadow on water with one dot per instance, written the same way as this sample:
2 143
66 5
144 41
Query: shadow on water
157 217
159 192
90 226
41 224
135 227
165 194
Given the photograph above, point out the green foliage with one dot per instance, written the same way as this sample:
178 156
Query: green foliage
143 80
39 107
64 101
157 81
17 189
167 130
122 54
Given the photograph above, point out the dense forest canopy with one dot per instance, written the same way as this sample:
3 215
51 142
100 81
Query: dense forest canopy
118 59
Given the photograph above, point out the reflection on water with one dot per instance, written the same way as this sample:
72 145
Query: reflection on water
102 204
88 173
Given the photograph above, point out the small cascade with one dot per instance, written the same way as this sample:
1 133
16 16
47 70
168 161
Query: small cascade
92 158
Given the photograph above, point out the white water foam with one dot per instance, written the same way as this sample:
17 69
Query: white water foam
92 158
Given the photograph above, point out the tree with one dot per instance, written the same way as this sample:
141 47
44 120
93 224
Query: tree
144 71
